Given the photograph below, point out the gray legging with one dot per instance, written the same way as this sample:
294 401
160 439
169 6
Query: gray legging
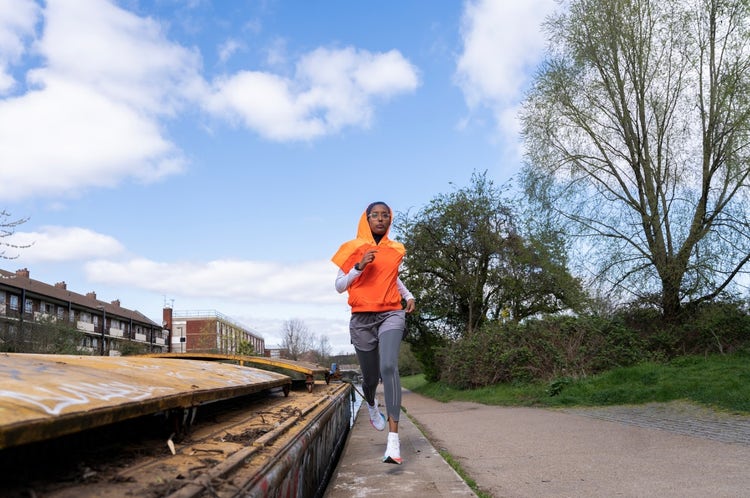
382 362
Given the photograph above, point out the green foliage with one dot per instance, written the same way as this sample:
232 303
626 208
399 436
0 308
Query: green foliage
539 350
132 348
467 263
559 349
719 381
536 279
710 327
557 385
486 357
44 336
424 344
407 362
721 327
245 348
63 340
454 253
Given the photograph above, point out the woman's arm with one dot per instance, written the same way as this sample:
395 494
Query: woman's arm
344 280
403 290
406 295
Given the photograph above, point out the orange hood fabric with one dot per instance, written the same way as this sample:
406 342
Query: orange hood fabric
375 289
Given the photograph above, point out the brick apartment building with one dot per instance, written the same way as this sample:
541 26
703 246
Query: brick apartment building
27 305
208 332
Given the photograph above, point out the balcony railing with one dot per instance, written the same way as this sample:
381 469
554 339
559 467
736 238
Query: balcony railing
88 327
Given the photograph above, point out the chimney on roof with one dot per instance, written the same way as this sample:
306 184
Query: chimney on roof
61 285
23 272
116 302
91 295
166 323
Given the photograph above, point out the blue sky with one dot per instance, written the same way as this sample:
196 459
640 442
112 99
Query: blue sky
213 155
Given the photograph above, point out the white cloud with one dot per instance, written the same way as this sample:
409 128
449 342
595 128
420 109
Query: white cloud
259 294
68 137
61 244
17 21
220 280
94 112
276 53
228 49
91 115
117 54
331 89
502 44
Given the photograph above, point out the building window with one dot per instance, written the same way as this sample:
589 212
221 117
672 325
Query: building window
14 302
28 306
60 312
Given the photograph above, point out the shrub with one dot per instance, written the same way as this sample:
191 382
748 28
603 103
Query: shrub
487 356
566 347
721 327
545 349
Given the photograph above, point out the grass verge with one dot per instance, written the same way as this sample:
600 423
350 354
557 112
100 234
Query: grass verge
721 382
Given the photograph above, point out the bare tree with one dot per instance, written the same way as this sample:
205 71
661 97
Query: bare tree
7 230
324 349
637 132
297 338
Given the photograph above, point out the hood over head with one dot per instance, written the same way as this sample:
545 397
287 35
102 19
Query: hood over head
365 237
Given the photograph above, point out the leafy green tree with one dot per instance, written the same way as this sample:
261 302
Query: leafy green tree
467 263
535 280
637 132
47 335
454 255
245 348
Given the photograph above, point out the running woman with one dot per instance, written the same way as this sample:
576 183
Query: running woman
368 270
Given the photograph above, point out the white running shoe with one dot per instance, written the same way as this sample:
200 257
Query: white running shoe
393 449
377 419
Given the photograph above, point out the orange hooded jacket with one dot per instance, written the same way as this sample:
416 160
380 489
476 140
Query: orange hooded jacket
375 289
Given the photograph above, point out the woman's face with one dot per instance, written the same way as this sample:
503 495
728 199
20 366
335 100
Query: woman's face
379 219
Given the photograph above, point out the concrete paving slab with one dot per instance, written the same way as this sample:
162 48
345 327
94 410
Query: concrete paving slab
362 473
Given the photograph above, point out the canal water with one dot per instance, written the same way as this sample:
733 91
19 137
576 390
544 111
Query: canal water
356 402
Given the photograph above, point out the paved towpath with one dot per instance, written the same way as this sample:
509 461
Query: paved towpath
660 450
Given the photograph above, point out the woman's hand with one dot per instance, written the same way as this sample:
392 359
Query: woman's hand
368 258
410 306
